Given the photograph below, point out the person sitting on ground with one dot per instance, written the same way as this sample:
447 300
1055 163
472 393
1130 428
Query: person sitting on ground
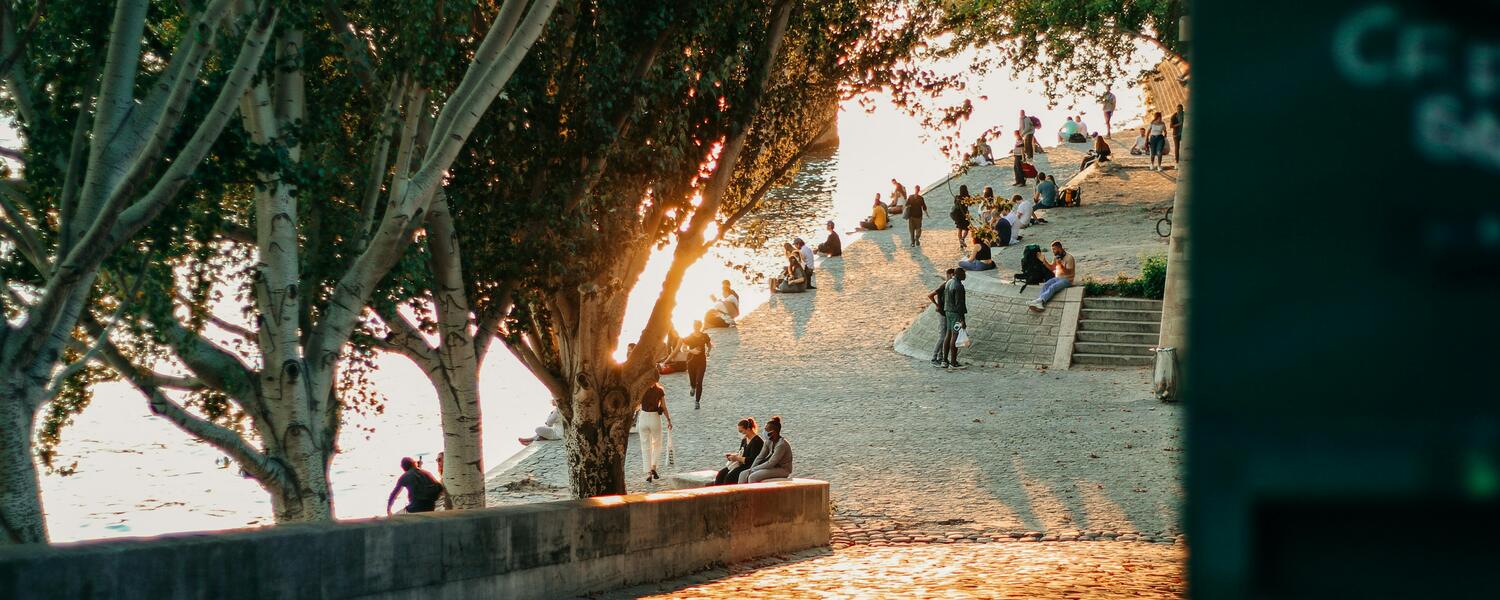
982 154
775 458
1139 147
422 489
1065 133
898 192
809 261
736 463
981 259
832 246
1046 193
548 430
987 196
720 315
1063 270
675 360
898 204
879 217
792 280
1022 211
1082 128
1099 154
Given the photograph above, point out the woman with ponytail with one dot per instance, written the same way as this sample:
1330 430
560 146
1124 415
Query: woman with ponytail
775 459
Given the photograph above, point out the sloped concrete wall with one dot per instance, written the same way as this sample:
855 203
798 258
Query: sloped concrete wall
1004 330
546 550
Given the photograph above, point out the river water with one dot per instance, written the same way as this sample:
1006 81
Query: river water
138 475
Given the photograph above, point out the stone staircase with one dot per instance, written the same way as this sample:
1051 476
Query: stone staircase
1117 332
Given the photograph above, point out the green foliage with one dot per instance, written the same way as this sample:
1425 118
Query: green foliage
1151 284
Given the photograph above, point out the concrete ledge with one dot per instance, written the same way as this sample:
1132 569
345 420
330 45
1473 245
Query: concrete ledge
1004 330
546 550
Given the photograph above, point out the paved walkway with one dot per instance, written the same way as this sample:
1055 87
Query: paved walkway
1015 570
957 469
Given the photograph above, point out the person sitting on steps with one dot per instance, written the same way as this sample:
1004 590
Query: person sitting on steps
981 259
1064 269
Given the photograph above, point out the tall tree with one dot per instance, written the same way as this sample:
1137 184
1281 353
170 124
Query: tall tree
106 147
331 212
646 126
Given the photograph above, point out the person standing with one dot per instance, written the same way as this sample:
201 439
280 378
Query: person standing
734 464
805 252
1156 140
422 489
939 352
1028 136
954 310
649 426
1108 100
775 459
698 346
1017 161
916 209
1179 119
1063 270
960 216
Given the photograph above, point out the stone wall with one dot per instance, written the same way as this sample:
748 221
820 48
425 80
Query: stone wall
1004 330
547 550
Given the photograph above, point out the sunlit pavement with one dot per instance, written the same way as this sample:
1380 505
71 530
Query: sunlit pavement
994 570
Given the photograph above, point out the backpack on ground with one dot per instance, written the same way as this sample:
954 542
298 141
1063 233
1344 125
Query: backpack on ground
1070 197
1028 170
1035 122
1078 138
1033 270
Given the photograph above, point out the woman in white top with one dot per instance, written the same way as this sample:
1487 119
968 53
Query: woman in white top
1156 140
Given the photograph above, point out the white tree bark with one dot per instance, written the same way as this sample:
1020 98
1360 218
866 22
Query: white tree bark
457 376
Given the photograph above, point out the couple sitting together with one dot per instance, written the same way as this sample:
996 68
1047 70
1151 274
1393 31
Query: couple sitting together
759 458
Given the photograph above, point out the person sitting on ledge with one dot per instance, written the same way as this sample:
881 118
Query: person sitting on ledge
982 154
980 260
1067 130
422 489
737 463
1063 269
879 217
1046 192
832 246
775 458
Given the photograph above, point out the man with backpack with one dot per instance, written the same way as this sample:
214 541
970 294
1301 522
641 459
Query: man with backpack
422 489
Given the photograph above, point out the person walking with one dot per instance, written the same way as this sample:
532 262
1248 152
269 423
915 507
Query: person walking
960 216
916 209
649 426
954 310
750 447
775 459
1108 102
1156 140
422 489
698 346
940 352
1064 269
1179 119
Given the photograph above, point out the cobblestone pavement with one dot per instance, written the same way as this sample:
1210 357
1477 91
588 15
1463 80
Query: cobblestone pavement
912 451
1013 570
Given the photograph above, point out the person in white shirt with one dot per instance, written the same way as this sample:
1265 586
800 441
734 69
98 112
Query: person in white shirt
1020 216
1108 102
1139 147
1082 128
806 252
1156 140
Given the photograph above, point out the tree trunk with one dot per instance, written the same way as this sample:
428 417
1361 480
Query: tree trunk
302 495
457 376
22 520
598 433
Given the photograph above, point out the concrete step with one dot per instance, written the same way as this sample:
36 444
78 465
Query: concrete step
1119 326
1110 314
1112 360
1116 349
1118 337
1110 302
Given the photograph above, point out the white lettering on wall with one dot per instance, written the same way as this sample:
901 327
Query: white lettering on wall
1357 66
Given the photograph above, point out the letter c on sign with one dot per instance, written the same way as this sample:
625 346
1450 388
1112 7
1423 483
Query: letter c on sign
1358 68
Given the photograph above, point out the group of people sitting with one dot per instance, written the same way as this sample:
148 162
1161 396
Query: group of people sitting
1000 220
801 261
759 458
